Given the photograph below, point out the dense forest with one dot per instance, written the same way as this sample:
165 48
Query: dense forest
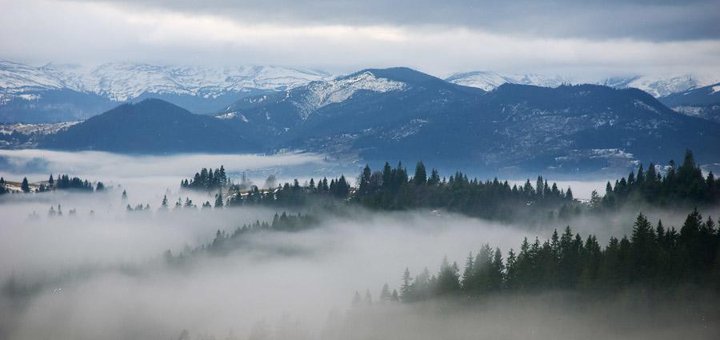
392 188
683 185
63 182
294 194
653 257
224 242
207 180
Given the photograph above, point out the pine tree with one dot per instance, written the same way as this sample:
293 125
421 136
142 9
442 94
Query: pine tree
385 294
25 186
434 178
420 177
219 200
364 181
448 280
164 204
468 273
405 292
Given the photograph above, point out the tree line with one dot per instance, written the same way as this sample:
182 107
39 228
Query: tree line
289 195
207 180
63 182
392 188
653 257
225 242
684 185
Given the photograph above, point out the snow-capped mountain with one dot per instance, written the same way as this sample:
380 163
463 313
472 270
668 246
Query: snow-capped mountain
127 81
703 102
416 116
658 86
365 98
488 80
377 115
661 86
26 88
322 93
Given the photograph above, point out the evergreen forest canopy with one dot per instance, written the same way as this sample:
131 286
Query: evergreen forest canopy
654 257
683 185
207 180
392 188
63 182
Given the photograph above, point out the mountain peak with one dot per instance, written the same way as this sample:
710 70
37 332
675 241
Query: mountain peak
488 80
400 74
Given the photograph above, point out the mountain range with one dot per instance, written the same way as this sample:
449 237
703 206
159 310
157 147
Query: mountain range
658 86
701 102
54 93
402 114
60 93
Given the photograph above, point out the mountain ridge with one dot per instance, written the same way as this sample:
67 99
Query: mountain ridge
403 114
148 127
24 89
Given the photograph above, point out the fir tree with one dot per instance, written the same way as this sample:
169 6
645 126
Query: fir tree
25 186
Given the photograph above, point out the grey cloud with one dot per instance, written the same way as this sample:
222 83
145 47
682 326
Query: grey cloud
663 20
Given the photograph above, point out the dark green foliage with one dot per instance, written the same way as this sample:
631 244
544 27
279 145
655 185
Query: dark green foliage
683 186
207 180
227 242
420 177
64 182
219 202
392 190
293 194
3 189
25 187
653 258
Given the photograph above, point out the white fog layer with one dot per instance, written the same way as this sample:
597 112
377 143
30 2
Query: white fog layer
100 272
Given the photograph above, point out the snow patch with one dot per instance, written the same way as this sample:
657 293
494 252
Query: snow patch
126 81
229 115
29 97
488 80
324 93
641 104
40 129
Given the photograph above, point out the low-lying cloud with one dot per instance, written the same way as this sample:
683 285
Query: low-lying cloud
104 275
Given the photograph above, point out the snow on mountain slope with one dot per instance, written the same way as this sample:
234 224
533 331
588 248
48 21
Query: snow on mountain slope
15 78
702 102
658 86
661 86
485 80
126 81
488 80
38 129
323 93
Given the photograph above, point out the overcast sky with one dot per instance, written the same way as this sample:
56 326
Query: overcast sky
569 37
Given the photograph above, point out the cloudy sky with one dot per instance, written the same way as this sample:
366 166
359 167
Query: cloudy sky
570 37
